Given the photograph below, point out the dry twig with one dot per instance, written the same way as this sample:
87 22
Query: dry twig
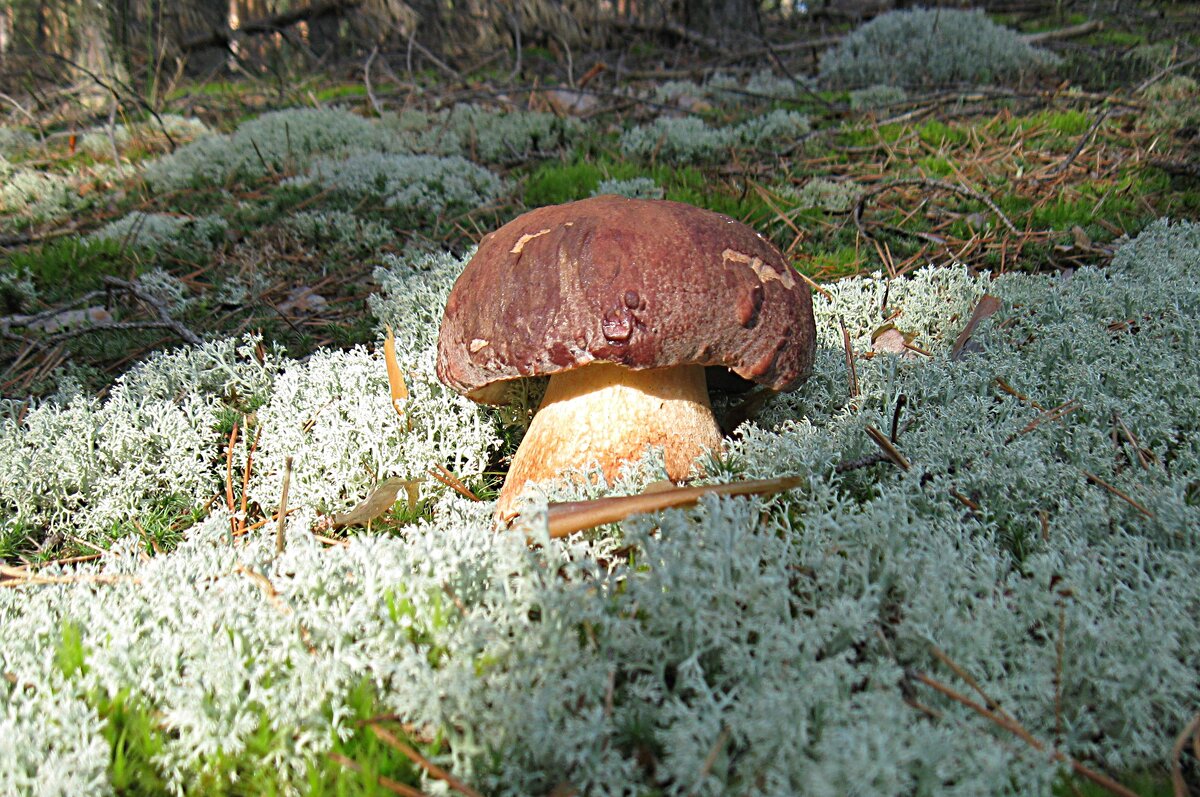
431 769
1008 723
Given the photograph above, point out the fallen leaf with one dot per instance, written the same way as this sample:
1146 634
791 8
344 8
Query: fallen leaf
571 102
302 301
692 104
379 501
986 306
891 340
1081 239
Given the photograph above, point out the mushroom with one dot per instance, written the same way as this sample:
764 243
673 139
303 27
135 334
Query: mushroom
623 303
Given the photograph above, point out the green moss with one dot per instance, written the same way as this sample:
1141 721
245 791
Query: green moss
1060 123
70 657
65 267
135 739
555 183
840 262
209 88
14 535
1063 213
939 134
1116 38
936 166
161 528
339 92
867 136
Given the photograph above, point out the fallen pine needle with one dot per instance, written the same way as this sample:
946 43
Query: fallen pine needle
1017 729
889 450
1051 415
443 475
230 504
20 578
1096 480
853 374
394 786
431 769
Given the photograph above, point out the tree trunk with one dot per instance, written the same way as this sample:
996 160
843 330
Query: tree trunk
96 49
204 16
723 20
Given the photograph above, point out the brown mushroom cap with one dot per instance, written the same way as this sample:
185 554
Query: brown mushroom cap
636 282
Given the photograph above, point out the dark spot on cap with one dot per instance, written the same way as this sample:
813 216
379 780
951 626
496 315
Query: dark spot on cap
560 355
748 307
617 326
631 299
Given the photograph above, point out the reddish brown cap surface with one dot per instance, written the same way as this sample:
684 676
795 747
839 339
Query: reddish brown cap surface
637 282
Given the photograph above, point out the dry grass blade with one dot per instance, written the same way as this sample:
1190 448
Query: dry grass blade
431 769
394 786
283 500
66 560
1052 414
145 535
569 517
849 358
1140 452
230 504
243 515
967 502
1012 391
969 679
713 752
783 217
265 586
814 285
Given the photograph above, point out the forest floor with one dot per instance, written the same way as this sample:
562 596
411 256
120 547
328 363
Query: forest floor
120 241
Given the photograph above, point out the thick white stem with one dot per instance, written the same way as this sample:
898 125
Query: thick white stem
608 415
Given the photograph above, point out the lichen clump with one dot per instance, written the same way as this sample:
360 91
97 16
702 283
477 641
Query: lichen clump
276 143
30 195
424 185
929 48
689 139
482 134
162 230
